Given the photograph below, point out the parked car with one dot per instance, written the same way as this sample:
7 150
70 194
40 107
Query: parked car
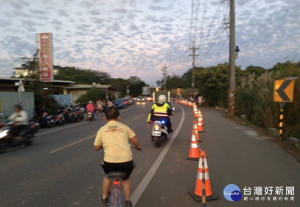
130 100
120 103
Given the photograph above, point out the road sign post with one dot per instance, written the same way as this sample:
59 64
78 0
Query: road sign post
283 92
281 120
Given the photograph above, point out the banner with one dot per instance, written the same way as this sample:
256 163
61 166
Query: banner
46 59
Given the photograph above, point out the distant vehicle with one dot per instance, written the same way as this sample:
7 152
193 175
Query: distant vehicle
140 99
130 100
90 115
120 103
149 98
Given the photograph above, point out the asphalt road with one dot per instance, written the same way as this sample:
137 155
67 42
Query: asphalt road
62 169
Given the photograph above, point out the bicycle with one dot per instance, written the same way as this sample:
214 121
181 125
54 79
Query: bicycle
116 198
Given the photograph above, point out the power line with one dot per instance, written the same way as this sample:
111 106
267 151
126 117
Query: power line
192 18
204 43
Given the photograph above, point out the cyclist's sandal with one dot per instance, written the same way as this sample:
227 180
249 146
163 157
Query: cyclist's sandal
128 204
104 202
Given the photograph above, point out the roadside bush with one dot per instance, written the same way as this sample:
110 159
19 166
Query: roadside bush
92 94
254 98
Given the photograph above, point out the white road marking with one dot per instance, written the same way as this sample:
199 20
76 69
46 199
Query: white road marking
146 180
72 144
77 141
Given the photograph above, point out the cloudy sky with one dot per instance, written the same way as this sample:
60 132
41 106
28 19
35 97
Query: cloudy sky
138 37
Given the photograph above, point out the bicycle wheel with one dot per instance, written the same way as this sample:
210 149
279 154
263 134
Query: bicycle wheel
116 198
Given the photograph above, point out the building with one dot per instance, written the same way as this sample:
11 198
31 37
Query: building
58 87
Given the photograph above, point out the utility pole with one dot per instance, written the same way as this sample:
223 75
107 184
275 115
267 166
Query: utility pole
164 70
193 70
232 84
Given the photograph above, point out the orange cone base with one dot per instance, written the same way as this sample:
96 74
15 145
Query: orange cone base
201 130
199 198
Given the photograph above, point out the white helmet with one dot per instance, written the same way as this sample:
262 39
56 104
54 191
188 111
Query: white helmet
162 99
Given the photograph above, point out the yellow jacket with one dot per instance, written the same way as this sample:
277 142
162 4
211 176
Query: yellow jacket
159 110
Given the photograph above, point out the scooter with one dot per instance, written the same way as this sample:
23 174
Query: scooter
46 120
159 132
59 119
8 142
90 115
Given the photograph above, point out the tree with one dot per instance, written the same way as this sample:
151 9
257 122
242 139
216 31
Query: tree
92 94
120 85
255 69
41 98
136 86
83 76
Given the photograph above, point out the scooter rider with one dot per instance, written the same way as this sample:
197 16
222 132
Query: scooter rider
90 107
161 110
20 121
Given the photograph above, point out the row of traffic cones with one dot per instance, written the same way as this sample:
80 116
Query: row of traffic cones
203 191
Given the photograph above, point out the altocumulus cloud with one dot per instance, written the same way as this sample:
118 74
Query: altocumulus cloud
126 38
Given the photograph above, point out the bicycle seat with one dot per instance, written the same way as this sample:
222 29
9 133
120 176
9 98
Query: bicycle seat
116 175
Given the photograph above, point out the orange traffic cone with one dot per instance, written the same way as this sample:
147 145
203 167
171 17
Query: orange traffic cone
199 124
195 110
194 149
195 131
203 186
200 116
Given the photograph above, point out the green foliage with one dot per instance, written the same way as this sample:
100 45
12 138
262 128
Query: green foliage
41 98
174 82
255 69
212 83
92 94
291 122
136 86
254 92
254 97
120 85
77 75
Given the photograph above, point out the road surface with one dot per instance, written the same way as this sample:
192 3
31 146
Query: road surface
62 169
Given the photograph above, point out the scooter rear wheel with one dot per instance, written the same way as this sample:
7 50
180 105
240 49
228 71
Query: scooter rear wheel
157 143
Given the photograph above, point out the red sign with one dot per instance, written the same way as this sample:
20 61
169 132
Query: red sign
45 42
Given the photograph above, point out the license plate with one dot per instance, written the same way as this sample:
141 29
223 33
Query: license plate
156 133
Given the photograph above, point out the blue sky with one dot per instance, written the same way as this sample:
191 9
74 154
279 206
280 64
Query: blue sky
138 37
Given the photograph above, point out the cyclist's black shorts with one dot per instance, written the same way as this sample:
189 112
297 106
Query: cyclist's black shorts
125 167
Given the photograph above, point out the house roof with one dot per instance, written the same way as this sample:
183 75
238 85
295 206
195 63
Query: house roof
9 79
81 86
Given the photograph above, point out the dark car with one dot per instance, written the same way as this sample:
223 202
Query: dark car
119 102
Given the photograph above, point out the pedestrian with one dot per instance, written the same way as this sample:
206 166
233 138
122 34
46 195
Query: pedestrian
113 137
104 105
99 108
110 104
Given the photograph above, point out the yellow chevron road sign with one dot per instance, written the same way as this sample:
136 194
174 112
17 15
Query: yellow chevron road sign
283 90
